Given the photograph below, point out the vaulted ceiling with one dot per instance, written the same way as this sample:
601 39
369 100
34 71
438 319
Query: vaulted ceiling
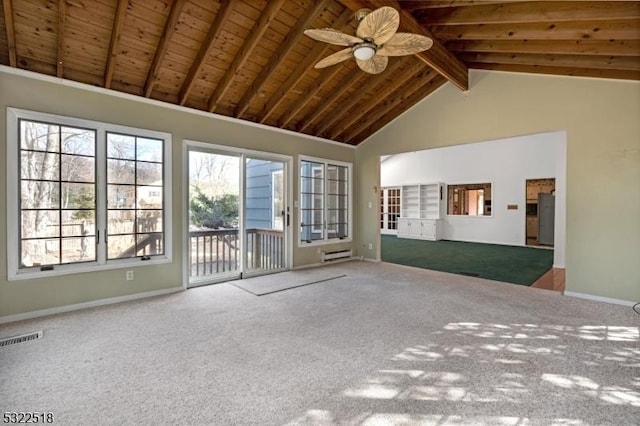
250 59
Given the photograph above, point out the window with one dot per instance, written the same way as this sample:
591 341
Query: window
57 194
134 196
71 183
469 199
325 200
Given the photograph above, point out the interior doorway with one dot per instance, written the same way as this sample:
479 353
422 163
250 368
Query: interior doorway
238 214
540 212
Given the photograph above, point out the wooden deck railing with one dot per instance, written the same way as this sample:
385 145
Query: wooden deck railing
265 249
151 244
214 251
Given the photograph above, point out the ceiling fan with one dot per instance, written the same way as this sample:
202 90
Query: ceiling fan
376 39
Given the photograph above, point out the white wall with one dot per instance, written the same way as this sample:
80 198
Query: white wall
506 164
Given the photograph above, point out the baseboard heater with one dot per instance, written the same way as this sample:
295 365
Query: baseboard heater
328 256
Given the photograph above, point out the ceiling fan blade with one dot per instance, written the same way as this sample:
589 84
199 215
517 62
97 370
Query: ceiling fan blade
375 65
405 44
380 25
339 56
329 35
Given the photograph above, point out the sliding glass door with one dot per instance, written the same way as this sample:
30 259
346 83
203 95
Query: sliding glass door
238 215
265 216
214 217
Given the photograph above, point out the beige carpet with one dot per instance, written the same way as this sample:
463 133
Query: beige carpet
386 345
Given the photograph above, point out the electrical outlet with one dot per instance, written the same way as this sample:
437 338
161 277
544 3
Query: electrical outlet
129 275
370 246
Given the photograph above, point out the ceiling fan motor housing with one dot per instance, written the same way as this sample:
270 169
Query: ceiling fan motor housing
360 14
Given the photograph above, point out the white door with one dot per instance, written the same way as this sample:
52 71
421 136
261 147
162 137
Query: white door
389 210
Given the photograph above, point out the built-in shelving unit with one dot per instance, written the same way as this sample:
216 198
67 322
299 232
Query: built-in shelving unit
410 201
422 209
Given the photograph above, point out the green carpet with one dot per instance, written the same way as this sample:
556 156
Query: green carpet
512 264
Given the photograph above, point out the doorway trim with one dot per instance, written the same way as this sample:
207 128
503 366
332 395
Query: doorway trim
187 145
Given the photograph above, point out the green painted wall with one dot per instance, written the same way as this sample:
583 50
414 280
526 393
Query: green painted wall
20 91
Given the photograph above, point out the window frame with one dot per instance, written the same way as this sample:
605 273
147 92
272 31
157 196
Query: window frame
386 197
322 172
13 208
325 204
277 216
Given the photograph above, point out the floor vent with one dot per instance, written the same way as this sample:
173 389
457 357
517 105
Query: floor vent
335 255
21 338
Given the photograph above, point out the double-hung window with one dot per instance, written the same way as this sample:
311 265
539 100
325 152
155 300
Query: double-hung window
83 195
325 200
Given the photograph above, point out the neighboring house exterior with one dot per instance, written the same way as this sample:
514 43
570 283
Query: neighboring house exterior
264 194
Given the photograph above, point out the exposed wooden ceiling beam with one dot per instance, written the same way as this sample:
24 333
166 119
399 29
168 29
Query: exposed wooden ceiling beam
305 97
318 51
438 57
291 40
266 17
413 6
577 47
534 11
410 81
62 18
163 45
568 71
370 84
116 31
396 106
624 29
382 92
205 47
570 61
11 32
348 82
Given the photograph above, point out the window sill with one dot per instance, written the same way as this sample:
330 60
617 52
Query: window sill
60 270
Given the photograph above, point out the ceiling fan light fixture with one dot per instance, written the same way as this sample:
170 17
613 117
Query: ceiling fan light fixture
364 51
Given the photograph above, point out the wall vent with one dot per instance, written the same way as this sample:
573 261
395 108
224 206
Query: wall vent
21 338
335 255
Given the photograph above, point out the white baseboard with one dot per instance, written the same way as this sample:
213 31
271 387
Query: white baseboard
85 305
599 298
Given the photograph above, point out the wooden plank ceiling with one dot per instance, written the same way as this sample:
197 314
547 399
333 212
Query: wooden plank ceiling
249 58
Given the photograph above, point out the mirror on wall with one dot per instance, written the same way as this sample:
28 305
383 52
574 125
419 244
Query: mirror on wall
469 199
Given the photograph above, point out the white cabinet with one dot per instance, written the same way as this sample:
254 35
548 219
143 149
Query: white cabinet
430 229
421 211
423 229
